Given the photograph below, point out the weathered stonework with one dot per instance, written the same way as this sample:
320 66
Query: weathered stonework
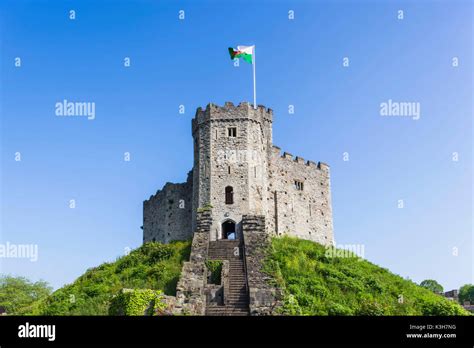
233 148
190 291
264 296
167 214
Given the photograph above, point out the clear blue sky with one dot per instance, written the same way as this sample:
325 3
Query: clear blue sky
299 62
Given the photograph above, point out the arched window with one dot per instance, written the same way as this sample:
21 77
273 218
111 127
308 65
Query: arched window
229 195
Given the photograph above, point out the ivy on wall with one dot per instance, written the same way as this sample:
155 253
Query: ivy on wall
136 302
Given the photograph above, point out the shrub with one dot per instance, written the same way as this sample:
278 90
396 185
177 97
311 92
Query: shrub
339 309
215 269
136 302
441 307
19 296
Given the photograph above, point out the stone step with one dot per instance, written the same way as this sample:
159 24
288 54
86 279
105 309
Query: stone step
228 314
226 309
237 299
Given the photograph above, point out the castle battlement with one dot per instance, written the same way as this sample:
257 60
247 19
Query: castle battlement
231 112
276 151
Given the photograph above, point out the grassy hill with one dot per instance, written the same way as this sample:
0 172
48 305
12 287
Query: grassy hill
152 266
315 283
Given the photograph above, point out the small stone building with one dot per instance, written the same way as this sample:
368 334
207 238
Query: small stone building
238 171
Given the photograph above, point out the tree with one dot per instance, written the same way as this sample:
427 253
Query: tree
432 285
466 293
18 294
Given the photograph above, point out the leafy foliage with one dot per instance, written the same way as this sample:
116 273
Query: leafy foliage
136 302
215 268
19 296
316 282
466 293
153 266
432 285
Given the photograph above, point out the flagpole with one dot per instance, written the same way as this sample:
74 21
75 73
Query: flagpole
254 80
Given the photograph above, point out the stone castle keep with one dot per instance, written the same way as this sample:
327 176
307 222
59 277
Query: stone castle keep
238 171
240 192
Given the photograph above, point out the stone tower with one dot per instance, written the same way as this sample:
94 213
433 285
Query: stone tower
231 148
237 171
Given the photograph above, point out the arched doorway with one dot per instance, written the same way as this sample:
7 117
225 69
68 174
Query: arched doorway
228 230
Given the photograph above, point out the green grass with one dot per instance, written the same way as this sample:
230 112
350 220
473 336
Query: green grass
316 284
153 266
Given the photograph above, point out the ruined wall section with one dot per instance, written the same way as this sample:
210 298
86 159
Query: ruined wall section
166 215
304 213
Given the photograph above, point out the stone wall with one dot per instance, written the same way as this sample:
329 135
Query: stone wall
264 296
190 291
217 294
306 212
168 213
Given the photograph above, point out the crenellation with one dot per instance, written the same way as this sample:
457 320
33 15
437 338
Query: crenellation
323 166
299 160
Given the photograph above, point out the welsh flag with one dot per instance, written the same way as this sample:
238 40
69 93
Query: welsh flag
244 52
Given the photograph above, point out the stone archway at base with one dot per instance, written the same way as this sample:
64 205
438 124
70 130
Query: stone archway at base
228 230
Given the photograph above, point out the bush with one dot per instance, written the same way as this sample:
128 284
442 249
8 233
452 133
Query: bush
215 269
466 293
445 307
136 302
432 285
19 296
339 309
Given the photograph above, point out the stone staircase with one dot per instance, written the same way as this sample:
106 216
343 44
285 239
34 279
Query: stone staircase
237 300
